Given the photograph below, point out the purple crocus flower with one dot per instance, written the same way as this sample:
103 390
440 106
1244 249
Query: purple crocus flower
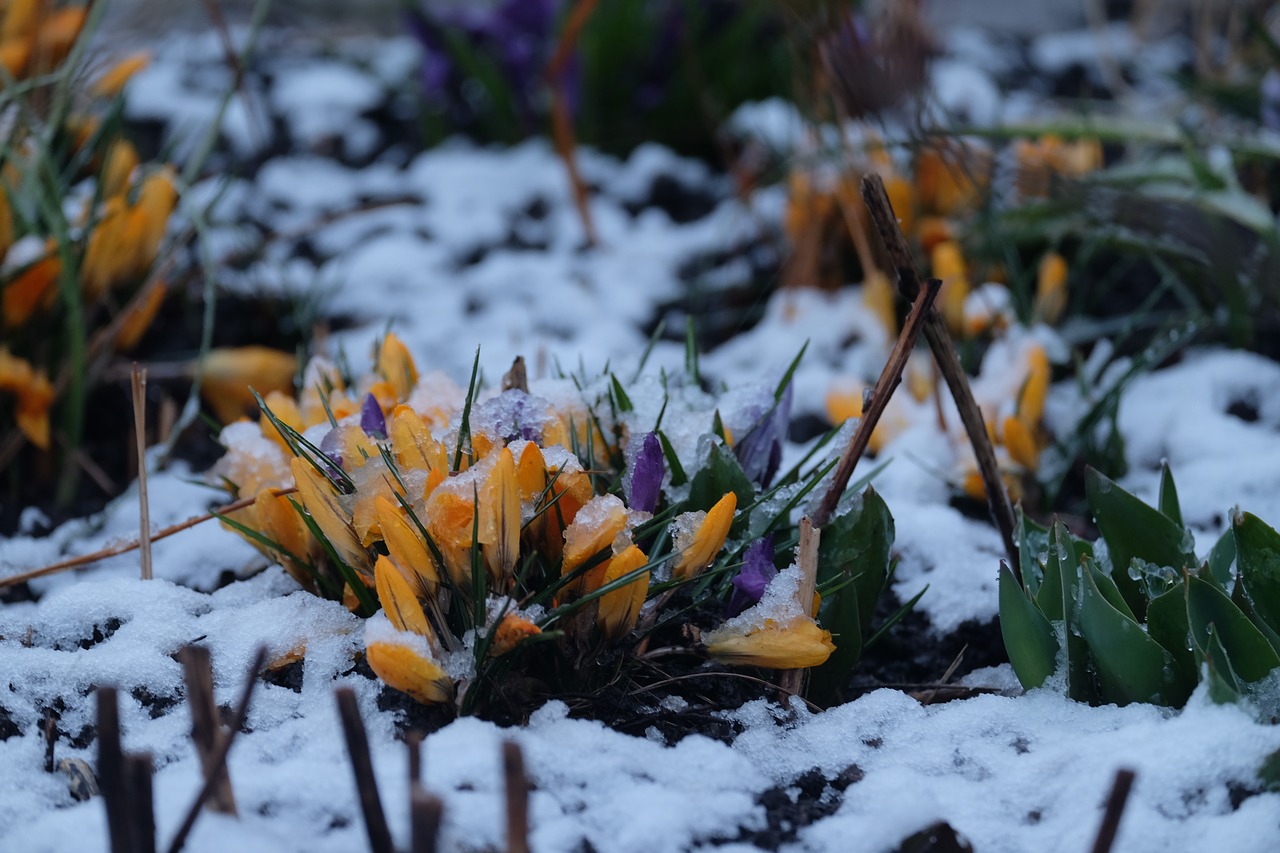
756 572
372 421
331 447
759 452
647 471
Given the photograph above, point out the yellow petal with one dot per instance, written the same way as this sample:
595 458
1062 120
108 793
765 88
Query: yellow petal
798 645
396 366
698 550
449 519
948 264
398 599
531 472
140 315
35 395
512 631
107 253
593 530
276 519
285 410
112 82
412 443
324 507
1051 288
619 609
406 547
1035 389
500 518
407 670
33 289
878 298
156 199
122 159
227 374
1020 444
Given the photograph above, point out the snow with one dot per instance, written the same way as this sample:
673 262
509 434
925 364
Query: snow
447 246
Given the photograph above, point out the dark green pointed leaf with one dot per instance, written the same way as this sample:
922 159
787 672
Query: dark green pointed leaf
1241 599
1130 665
1028 636
856 545
1133 529
1108 588
1050 597
1033 540
1168 496
1224 684
722 474
1167 625
620 395
840 616
1223 557
1252 657
1258 556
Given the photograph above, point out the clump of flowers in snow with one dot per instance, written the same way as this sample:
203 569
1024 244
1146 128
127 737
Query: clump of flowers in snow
539 536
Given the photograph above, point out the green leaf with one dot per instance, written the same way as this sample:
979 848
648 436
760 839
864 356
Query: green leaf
856 544
464 426
1033 540
1028 636
1130 664
1168 496
1222 557
1224 684
678 476
1257 549
691 352
1108 588
1251 654
722 474
840 616
791 371
620 396
1133 529
1167 625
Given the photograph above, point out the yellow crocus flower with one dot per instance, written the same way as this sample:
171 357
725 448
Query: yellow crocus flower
329 514
398 600
698 548
409 670
112 82
396 366
620 608
1051 288
406 547
797 645
499 531
35 395
510 633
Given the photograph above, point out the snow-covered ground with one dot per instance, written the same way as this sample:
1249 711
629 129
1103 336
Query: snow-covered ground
463 246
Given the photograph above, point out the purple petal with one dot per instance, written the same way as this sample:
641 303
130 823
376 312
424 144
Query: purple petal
759 452
750 582
372 421
647 471
331 447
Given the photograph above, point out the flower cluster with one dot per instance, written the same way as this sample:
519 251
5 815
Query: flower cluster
481 527
82 220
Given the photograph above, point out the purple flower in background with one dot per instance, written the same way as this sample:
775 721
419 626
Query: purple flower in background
372 421
647 470
331 447
750 582
759 452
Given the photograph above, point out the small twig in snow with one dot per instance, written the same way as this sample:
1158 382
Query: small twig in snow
206 733
138 385
1116 802
517 787
375 820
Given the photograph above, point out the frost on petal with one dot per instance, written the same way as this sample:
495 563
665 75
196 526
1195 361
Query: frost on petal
699 545
798 645
645 477
404 661
752 580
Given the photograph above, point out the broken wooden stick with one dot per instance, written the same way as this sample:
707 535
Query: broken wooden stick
1116 801
794 680
206 732
138 384
375 819
944 353
517 787
425 814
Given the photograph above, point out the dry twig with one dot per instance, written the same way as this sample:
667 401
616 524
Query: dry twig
1116 802
944 353
375 819
517 786
138 385
206 733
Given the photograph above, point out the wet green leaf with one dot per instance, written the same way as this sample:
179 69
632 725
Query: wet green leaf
1222 557
1033 540
1167 625
722 474
1028 636
1258 555
1252 656
1130 664
1168 496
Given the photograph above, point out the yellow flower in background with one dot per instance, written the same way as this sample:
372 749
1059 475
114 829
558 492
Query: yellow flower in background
799 644
396 366
122 161
34 393
329 514
1021 446
113 81
700 536
619 609
149 217
139 316
878 297
1035 389
407 667
513 630
34 289
1051 288
947 263
228 374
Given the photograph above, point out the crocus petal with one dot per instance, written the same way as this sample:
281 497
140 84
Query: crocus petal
372 421
406 547
324 507
698 545
500 517
227 375
112 82
754 576
594 529
396 366
407 670
1020 444
1034 390
760 450
531 472
398 599
139 316
278 521
798 645
412 443
647 471
513 630
620 608
1051 288
35 395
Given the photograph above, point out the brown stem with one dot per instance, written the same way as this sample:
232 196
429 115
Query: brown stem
889 380
126 547
375 820
1116 802
561 122
413 742
517 798
138 772
138 385
110 770
425 813
224 749
944 353
793 680
206 733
